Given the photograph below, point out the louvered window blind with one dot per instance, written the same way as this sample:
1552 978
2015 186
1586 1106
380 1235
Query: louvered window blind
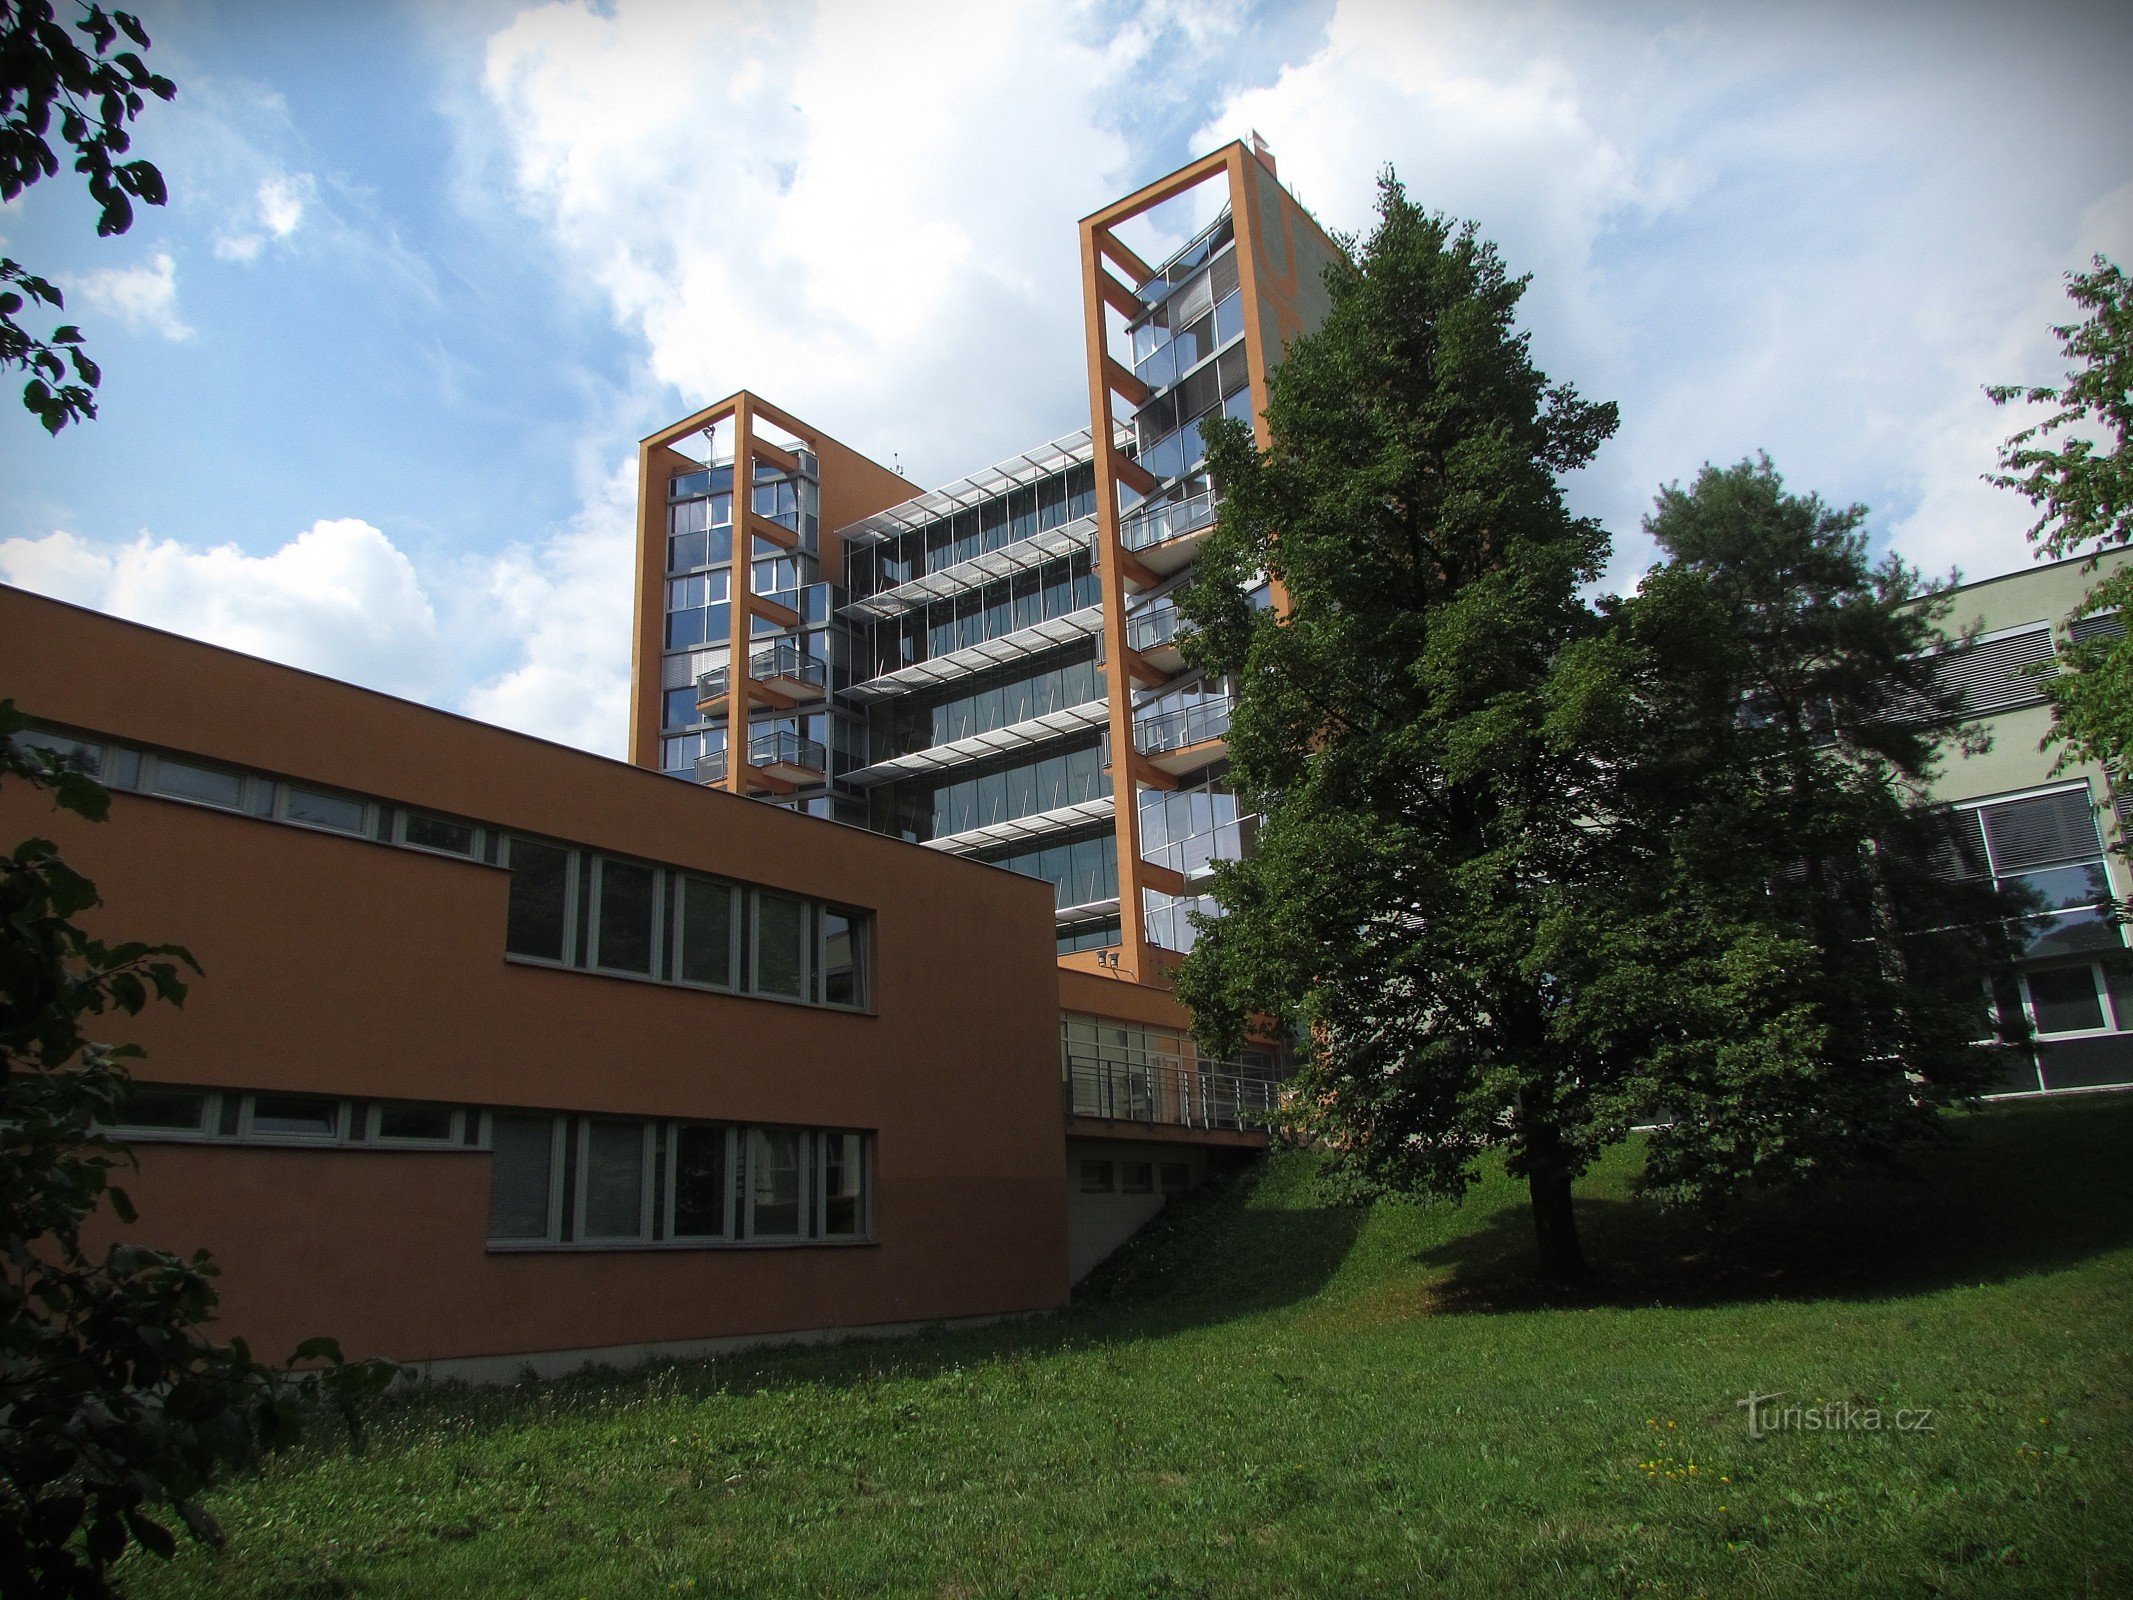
2001 673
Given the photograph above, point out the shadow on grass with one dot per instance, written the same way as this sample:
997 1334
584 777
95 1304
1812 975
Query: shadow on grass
2017 1191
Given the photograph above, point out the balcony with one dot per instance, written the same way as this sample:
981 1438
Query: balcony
711 767
1023 830
1169 1091
1021 644
1188 737
1155 634
1023 555
787 758
782 676
981 746
1167 537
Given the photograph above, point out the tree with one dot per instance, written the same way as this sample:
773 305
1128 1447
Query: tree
1404 731
1531 870
1796 934
44 72
113 1404
2075 468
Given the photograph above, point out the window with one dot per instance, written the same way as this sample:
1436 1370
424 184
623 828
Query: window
78 755
184 780
538 921
2066 1000
403 1123
776 1183
841 964
1177 1177
1136 1177
843 1186
293 1116
614 1193
151 1108
522 1186
425 832
697 1181
705 933
2047 846
780 945
626 935
319 808
1096 1177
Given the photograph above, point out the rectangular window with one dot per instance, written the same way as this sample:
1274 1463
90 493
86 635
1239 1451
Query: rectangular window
612 1160
522 1187
706 933
182 780
698 1184
439 833
843 962
403 1123
1136 1177
293 1116
2065 1000
318 808
538 920
77 755
625 938
843 1185
776 1183
1096 1177
151 1108
1177 1177
780 945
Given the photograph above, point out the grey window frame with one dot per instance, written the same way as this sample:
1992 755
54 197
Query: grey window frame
654 935
729 1216
646 1182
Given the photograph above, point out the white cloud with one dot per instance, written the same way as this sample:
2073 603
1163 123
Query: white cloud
566 603
278 208
145 299
339 598
1806 234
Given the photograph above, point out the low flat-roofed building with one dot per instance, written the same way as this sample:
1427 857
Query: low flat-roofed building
507 1052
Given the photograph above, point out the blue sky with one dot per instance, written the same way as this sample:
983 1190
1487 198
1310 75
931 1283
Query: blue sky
376 374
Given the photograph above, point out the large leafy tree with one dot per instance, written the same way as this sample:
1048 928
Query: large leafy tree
47 76
2074 466
1405 730
1534 870
114 1404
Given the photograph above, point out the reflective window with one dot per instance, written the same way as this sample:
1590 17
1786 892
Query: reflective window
295 1116
537 923
186 780
706 933
699 1184
780 945
776 1183
317 808
614 1189
521 1176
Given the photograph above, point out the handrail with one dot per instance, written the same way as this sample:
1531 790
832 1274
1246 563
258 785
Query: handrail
1195 722
1154 626
1172 520
788 748
1201 1094
781 660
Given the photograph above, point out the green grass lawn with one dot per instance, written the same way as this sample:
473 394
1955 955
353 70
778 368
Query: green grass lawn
1265 1396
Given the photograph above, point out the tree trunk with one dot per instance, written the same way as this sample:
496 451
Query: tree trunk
1555 1224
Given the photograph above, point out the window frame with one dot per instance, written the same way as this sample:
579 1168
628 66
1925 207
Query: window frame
2104 1005
373 1117
804 1142
154 761
558 1125
285 793
646 1183
729 1208
568 957
595 932
803 994
249 1131
475 851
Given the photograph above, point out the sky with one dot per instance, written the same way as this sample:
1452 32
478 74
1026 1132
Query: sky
375 376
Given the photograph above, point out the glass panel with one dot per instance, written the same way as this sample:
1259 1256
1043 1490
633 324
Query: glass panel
299 1116
317 809
74 754
2065 1000
439 833
781 939
706 932
843 1186
520 1176
614 1180
184 781
841 948
2057 888
625 916
774 1178
1096 1177
172 1110
700 1182
540 880
433 1123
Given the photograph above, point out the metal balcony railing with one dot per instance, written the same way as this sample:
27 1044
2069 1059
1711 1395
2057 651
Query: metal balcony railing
711 767
1169 1091
1159 524
1155 627
1195 722
784 749
781 660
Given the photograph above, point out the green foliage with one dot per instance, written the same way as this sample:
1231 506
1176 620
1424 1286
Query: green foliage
2075 468
112 1403
45 72
1534 871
